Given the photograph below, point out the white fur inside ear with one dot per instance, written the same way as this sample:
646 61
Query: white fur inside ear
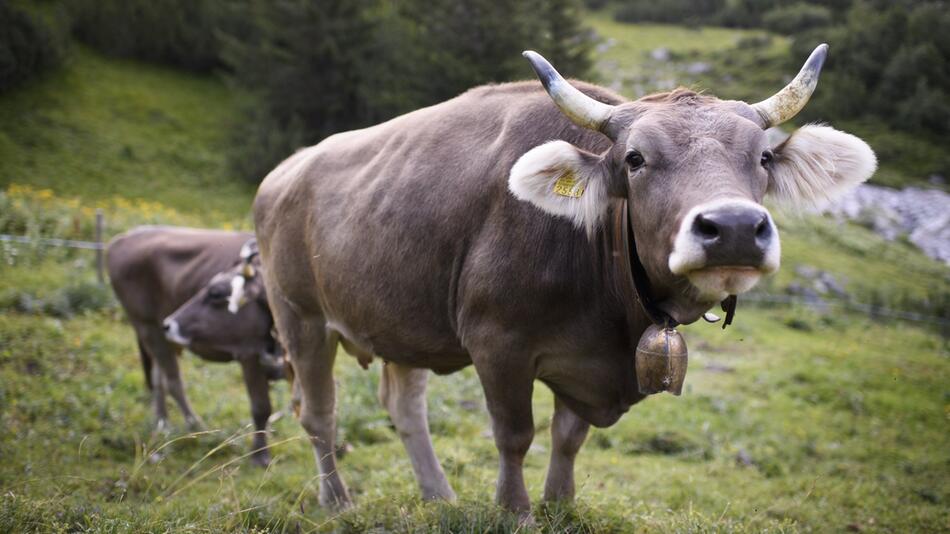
534 176
816 164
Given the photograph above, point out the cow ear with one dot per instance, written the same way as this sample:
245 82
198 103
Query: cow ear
563 180
817 164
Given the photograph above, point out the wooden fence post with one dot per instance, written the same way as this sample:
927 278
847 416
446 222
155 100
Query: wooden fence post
99 246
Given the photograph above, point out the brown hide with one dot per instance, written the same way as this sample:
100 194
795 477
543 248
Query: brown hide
404 238
154 270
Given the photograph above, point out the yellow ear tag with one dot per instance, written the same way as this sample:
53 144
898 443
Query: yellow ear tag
568 186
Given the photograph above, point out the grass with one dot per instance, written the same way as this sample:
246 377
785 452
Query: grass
102 128
624 57
779 429
792 420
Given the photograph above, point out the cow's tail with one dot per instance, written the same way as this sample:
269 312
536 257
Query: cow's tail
146 365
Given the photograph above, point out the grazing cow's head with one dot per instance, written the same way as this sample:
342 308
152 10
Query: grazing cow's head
230 314
694 170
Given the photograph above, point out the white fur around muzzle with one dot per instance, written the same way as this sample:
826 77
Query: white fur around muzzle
688 257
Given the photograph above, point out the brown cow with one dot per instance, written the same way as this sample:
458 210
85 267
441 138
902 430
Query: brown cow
472 232
153 271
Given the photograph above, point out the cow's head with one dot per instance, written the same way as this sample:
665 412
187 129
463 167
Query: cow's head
694 170
230 314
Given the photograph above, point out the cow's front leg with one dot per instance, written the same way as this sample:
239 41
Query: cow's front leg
312 351
568 432
166 377
402 390
255 379
159 408
507 380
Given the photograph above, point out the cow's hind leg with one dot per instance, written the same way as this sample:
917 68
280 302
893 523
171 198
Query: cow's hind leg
402 390
568 432
146 363
165 358
154 377
312 351
255 380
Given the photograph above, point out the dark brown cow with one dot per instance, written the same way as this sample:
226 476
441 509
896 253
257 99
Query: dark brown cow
231 314
153 271
473 232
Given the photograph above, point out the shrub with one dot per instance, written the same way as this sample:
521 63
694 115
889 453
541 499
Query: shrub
797 17
673 11
175 32
28 46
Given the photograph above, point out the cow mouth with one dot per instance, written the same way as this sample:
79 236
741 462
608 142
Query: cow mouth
173 333
716 283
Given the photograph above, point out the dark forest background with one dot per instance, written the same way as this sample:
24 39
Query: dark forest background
306 69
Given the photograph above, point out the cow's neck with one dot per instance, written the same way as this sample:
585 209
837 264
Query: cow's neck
630 277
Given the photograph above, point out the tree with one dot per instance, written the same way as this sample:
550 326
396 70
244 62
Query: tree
301 62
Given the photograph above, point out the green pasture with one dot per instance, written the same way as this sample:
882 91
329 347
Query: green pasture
792 420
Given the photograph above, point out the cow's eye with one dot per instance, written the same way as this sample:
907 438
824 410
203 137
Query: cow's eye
217 293
767 157
635 159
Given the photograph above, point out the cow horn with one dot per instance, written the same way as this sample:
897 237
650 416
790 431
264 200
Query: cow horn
786 103
580 108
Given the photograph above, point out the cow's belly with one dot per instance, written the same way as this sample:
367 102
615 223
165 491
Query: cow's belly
211 355
394 306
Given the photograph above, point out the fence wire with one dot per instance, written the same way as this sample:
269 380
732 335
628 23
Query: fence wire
766 298
52 242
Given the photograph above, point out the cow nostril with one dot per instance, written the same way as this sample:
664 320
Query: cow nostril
166 325
705 228
763 229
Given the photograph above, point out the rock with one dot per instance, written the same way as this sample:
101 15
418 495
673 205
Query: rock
716 367
809 294
743 458
660 54
606 45
937 179
699 67
923 215
806 271
933 238
831 285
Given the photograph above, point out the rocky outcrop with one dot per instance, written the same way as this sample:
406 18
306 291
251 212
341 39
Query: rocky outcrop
922 215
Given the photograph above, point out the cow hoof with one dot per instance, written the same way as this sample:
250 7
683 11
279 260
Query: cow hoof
162 427
261 459
526 520
195 424
276 416
337 504
442 494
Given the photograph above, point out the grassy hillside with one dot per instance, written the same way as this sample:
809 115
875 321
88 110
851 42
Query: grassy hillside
101 128
792 420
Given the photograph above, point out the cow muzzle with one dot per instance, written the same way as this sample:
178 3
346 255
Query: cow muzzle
725 247
173 333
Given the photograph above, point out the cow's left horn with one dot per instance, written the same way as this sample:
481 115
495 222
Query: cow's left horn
786 103
580 108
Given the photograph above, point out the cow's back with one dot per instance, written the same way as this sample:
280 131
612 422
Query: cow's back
155 269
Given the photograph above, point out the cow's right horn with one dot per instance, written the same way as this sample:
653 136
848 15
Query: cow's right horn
580 108
786 103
